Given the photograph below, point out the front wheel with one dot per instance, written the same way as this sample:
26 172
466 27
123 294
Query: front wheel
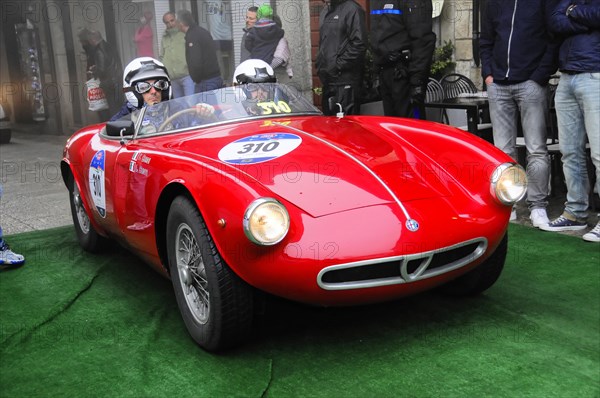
215 304
87 236
481 278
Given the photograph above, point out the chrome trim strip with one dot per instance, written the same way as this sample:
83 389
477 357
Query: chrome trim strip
361 164
420 273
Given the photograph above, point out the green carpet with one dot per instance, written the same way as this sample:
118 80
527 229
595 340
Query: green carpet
76 324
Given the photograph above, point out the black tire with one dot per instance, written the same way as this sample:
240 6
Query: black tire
481 278
215 304
87 236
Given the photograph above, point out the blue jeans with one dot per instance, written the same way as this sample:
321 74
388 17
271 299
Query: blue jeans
578 114
214 83
531 100
183 86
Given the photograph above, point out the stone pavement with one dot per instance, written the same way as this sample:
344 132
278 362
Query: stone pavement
35 197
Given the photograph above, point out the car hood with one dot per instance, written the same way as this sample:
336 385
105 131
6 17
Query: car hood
324 165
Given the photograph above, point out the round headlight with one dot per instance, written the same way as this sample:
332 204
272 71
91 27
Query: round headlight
509 183
266 222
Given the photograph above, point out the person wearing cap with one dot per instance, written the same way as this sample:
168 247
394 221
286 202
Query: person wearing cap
263 38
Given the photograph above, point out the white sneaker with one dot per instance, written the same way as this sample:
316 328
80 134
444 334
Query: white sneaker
539 217
593 235
8 257
513 214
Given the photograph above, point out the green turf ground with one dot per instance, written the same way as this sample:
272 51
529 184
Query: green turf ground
76 324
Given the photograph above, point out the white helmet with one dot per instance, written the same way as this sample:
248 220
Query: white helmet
141 69
254 71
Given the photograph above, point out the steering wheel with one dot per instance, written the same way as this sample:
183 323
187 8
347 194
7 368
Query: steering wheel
178 114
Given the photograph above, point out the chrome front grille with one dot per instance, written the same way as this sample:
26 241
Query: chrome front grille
400 269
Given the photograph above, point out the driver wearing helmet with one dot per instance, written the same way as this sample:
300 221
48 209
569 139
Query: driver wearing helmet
254 76
146 83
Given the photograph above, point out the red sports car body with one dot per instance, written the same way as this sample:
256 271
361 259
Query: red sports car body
322 210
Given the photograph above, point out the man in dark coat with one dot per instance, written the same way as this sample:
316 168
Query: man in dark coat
341 56
403 42
200 54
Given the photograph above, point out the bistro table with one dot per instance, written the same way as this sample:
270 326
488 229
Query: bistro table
474 104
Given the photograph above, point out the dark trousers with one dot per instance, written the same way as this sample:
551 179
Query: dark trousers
346 94
113 92
395 93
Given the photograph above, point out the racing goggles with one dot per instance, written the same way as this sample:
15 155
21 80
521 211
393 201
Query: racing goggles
252 87
144 87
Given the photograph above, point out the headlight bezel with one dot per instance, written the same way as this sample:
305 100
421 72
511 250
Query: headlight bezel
250 229
503 174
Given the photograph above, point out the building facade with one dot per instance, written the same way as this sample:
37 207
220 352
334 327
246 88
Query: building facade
42 64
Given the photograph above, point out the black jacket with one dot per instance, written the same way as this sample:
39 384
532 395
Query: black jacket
201 54
262 40
516 43
580 50
107 64
398 25
342 41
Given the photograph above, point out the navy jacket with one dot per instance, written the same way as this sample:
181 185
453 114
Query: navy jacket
580 51
262 39
516 44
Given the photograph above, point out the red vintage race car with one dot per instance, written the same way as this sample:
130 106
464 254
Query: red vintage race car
270 195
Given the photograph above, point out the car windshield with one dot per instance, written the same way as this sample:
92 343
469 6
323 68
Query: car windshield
255 100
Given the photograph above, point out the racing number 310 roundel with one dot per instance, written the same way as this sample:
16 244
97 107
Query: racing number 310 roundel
259 148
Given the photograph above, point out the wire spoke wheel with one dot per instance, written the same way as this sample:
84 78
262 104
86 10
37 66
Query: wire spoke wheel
82 217
192 274
215 304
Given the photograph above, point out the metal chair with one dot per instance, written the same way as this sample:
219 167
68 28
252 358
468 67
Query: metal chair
455 84
435 93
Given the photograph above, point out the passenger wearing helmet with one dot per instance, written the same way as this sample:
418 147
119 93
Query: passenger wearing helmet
256 79
146 82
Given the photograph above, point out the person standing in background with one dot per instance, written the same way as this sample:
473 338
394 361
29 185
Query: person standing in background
518 56
172 55
200 54
577 102
251 18
105 65
263 38
144 36
341 55
403 42
282 57
7 256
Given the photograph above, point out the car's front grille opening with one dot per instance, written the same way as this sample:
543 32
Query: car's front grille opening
373 271
401 269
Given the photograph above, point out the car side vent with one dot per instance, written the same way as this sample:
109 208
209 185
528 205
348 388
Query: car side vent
397 270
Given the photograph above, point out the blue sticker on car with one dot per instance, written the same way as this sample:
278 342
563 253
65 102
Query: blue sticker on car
96 181
259 148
